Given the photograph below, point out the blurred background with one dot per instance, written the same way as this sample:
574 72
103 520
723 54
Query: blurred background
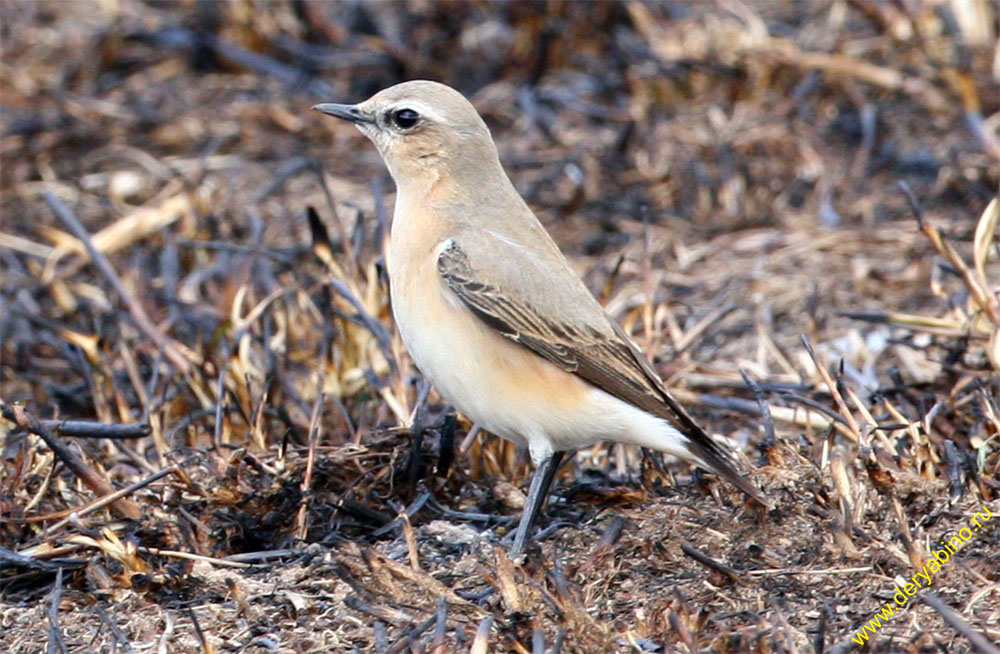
191 255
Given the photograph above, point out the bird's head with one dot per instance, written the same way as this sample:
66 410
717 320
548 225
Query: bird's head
422 129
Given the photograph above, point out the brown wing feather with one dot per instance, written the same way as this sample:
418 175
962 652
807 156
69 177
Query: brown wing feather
610 362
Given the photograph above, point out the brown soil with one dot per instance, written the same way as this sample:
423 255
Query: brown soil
724 175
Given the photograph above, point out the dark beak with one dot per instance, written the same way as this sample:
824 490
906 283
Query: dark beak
348 112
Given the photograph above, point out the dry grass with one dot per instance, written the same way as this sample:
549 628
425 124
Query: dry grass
195 260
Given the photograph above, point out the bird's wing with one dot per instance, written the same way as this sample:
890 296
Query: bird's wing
547 309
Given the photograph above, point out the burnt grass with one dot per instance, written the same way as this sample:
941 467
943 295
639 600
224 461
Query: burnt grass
193 264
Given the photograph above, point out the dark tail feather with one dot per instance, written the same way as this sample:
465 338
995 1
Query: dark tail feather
709 452
718 462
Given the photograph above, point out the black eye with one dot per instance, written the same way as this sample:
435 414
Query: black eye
405 118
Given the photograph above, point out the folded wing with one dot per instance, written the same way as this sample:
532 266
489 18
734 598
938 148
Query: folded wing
581 338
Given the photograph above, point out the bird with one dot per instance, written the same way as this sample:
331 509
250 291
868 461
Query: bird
491 311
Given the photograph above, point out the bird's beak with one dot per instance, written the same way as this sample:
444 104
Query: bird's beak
349 112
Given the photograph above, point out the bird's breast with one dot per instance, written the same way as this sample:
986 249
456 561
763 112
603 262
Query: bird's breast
494 381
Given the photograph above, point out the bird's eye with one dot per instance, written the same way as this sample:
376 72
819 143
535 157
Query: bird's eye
405 118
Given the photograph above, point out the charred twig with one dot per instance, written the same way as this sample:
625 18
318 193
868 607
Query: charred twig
820 638
469 515
11 558
446 450
418 425
291 77
559 578
765 410
477 595
285 172
411 635
362 512
78 466
710 563
138 313
612 533
440 627
116 496
784 414
708 320
116 631
205 646
411 510
980 642
92 429
180 37
817 406
381 638
323 57
55 641
377 329
289 256
322 246
549 598
195 416
553 527
537 641
558 642
953 467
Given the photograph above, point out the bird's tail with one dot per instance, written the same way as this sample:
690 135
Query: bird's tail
713 457
694 445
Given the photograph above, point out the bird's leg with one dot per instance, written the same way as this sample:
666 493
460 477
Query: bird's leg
538 492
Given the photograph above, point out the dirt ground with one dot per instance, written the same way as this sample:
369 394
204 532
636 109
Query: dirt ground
192 258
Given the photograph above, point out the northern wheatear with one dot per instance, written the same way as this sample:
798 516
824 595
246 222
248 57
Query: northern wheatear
491 311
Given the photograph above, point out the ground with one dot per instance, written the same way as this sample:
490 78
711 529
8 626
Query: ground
797 192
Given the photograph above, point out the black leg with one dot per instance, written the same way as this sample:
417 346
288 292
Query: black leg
538 492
